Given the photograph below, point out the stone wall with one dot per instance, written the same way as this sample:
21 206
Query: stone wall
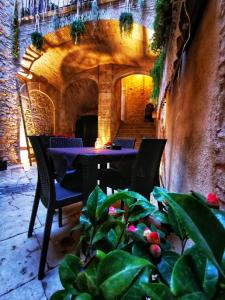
137 90
195 112
9 110
219 176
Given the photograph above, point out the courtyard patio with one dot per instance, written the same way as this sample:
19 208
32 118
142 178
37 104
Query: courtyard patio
19 256
112 150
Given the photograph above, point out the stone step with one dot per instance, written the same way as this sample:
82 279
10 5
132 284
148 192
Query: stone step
28 57
31 51
137 131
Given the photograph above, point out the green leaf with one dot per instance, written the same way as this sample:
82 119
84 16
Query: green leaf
137 290
202 226
183 279
84 296
210 279
176 223
68 270
220 215
86 282
158 291
165 266
160 216
157 194
141 250
96 198
61 295
195 296
84 222
122 195
123 271
104 228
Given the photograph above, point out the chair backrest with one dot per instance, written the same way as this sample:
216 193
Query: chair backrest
45 171
63 142
145 173
125 142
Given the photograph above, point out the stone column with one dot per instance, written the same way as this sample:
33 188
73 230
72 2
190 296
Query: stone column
105 103
9 110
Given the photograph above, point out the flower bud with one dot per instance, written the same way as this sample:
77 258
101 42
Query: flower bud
212 200
131 228
154 238
155 250
146 233
112 210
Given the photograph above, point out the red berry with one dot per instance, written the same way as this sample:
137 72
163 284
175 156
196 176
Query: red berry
155 250
154 238
212 200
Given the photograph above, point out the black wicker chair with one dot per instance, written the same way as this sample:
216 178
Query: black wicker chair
62 142
123 143
52 195
142 175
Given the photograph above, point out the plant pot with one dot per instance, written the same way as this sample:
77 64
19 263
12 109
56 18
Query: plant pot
3 165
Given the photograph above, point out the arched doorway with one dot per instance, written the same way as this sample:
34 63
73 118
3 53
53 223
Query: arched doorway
87 129
81 107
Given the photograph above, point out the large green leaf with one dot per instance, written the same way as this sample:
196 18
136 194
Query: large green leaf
195 296
202 226
96 198
158 291
136 290
68 270
86 282
84 296
122 195
165 266
61 295
176 223
124 270
184 280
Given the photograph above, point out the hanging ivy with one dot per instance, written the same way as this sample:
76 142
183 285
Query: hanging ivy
126 22
37 40
157 73
161 26
77 29
16 32
163 16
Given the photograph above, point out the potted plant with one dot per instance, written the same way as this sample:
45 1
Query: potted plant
126 254
37 40
77 29
126 22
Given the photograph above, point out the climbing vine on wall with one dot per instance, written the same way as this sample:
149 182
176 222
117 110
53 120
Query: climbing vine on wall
161 25
16 32
157 73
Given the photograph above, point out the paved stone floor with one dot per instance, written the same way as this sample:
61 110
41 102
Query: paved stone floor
19 255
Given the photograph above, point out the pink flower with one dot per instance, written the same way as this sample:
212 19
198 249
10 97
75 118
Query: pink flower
212 200
146 233
132 228
155 250
112 210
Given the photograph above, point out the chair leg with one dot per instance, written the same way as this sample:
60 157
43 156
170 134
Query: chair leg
34 209
44 250
60 217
